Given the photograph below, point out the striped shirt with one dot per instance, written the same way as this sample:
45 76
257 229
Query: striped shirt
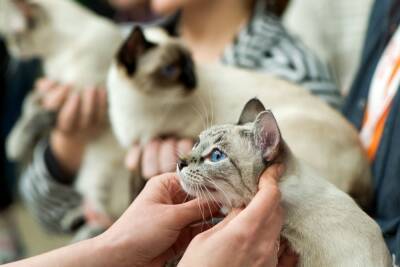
263 45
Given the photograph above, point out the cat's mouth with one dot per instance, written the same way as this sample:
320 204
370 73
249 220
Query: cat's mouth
193 188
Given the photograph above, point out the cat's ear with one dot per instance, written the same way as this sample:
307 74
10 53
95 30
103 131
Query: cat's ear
250 111
267 135
30 14
134 47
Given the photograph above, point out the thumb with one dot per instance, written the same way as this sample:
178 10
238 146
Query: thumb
194 211
232 215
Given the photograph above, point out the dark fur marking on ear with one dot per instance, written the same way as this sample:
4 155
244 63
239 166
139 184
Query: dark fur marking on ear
134 47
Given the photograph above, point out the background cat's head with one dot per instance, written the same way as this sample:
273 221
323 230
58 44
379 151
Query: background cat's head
24 26
153 68
227 161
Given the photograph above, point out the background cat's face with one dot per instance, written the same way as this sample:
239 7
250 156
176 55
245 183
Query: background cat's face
226 162
164 69
24 26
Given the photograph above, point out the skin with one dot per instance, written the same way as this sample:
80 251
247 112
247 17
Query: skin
160 224
80 118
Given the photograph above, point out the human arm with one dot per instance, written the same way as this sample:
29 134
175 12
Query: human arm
159 225
46 183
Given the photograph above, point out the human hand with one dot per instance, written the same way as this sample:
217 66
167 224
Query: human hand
248 237
157 226
80 119
158 156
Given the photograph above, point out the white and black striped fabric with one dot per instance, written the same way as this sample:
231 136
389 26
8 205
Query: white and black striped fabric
56 207
265 45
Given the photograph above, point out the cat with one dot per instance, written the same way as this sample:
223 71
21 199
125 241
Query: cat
322 224
155 89
76 47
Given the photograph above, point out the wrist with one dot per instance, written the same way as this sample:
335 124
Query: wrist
115 251
68 151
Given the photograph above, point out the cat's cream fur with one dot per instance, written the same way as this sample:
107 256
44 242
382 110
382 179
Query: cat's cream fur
316 133
76 48
322 224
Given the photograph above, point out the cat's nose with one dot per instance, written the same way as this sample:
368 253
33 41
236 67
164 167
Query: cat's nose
182 164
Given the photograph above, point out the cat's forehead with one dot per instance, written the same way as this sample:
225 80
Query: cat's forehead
225 132
172 52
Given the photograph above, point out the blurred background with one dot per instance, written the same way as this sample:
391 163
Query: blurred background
334 30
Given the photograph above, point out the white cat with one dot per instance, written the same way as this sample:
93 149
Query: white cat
76 47
155 89
322 224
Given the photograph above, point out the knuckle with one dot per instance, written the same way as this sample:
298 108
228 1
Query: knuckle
275 192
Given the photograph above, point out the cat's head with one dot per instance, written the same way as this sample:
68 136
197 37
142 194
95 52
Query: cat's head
24 26
152 67
227 161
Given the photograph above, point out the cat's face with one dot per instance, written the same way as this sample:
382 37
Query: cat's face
25 27
226 162
155 69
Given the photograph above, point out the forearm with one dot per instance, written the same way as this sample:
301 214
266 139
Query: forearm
88 253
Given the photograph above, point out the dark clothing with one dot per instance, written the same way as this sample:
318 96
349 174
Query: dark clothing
16 79
384 20
5 192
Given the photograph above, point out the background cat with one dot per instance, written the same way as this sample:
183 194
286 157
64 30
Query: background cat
322 224
76 47
155 89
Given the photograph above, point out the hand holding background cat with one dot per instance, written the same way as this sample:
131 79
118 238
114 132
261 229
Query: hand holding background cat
158 156
80 118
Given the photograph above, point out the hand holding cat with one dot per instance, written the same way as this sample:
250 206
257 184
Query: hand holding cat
158 225
80 118
248 237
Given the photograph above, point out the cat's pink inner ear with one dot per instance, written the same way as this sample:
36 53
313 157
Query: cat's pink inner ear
267 135
26 8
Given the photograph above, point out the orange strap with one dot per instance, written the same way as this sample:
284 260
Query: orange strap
376 138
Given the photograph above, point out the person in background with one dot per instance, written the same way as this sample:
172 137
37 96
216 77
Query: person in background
334 30
373 106
250 36
15 79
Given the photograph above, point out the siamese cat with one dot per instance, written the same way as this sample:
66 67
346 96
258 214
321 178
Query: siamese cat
76 48
322 224
155 89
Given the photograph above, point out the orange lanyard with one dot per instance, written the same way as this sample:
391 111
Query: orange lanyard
384 86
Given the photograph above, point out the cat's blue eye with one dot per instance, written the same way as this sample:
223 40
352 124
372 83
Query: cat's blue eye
170 71
217 155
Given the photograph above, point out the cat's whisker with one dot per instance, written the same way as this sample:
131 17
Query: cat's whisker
204 107
202 118
207 198
198 193
221 190
212 197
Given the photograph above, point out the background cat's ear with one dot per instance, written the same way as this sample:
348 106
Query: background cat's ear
135 46
30 14
267 135
250 111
